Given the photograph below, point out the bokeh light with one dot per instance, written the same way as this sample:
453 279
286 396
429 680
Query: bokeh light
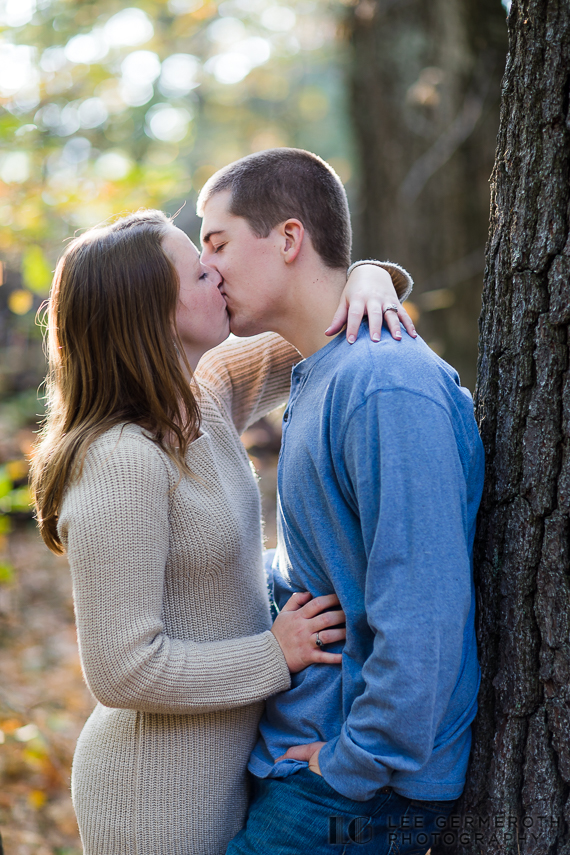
113 165
164 122
129 27
15 167
20 301
278 18
17 13
179 75
87 48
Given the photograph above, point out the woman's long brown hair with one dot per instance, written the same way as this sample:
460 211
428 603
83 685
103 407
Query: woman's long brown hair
113 355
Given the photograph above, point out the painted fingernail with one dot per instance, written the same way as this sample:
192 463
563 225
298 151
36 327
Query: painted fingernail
397 335
375 337
351 339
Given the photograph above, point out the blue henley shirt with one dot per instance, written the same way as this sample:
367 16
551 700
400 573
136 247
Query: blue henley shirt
380 478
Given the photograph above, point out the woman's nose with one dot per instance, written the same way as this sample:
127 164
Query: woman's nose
217 276
213 274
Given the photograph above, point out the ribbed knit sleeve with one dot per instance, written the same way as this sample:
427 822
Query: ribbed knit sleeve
115 525
401 279
252 376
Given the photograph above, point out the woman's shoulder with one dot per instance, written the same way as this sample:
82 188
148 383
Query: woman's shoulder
125 439
124 451
123 470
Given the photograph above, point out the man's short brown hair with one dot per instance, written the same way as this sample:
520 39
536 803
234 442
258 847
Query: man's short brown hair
272 186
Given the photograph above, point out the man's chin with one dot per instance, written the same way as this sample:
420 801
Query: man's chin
243 327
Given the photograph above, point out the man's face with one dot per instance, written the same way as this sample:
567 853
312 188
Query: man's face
251 267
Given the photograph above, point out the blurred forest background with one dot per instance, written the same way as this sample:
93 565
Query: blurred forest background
106 107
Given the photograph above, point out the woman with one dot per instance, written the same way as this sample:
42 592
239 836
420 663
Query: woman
141 477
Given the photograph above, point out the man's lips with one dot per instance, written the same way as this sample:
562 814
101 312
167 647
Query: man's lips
226 302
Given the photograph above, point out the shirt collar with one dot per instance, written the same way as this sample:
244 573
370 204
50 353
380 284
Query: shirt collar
302 368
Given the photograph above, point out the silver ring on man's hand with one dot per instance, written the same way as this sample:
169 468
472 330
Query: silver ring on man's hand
318 641
392 307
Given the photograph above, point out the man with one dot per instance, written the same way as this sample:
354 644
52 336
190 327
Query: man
379 481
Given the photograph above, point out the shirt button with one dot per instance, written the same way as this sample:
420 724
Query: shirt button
285 417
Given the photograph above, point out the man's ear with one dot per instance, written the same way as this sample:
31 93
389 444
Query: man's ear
292 232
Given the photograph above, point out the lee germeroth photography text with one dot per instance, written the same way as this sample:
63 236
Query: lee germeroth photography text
501 828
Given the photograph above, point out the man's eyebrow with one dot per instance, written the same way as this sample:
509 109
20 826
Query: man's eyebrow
206 238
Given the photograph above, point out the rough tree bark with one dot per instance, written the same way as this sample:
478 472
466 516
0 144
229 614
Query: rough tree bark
519 779
517 799
425 90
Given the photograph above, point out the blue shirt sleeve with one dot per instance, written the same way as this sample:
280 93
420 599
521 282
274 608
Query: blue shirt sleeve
402 473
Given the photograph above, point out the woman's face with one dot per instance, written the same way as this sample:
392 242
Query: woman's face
202 318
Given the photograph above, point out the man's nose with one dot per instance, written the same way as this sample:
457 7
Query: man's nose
207 256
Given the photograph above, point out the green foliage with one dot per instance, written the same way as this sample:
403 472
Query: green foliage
17 501
17 414
108 107
24 408
5 483
15 498
6 573
36 271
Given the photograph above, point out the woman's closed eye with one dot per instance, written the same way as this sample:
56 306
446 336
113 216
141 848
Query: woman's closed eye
219 247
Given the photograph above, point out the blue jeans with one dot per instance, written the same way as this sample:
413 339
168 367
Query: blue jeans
303 815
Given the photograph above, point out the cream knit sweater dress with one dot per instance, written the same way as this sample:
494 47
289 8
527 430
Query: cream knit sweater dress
173 619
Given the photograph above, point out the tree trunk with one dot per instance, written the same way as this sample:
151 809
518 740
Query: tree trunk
517 798
425 84
519 779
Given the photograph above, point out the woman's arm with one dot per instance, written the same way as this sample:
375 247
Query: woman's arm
251 376
114 523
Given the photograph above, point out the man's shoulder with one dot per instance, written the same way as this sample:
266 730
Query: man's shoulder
402 381
390 365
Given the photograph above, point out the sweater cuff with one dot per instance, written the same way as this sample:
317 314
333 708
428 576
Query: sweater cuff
403 282
350 770
282 673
